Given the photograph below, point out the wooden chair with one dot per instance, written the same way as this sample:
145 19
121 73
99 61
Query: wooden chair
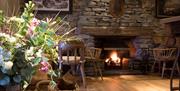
72 53
92 55
164 55
174 87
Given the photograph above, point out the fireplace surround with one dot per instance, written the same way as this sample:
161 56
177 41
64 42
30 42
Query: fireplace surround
113 43
118 39
122 45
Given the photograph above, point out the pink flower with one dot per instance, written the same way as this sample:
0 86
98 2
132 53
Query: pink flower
44 66
44 69
33 24
30 31
44 63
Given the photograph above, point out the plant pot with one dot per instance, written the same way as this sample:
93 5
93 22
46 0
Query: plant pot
11 88
64 85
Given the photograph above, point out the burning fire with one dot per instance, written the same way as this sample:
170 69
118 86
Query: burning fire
113 57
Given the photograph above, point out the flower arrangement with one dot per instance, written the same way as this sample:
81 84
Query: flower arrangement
28 44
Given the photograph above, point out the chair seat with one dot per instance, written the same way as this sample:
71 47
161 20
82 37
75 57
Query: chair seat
71 60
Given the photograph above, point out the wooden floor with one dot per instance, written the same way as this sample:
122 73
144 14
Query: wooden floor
128 83
125 83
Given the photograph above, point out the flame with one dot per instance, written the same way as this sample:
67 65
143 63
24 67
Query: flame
107 60
114 57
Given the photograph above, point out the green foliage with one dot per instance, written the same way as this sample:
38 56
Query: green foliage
29 44
1 18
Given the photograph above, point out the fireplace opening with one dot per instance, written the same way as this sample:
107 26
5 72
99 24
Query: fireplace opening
116 59
115 51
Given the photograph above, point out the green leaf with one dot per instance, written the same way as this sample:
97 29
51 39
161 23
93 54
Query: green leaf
33 41
52 84
50 42
40 40
36 61
1 18
25 84
23 31
41 29
52 73
26 73
45 59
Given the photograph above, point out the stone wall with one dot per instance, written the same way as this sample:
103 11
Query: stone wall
137 13
93 17
97 13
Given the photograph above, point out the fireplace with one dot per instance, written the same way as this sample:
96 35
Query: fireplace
115 50
116 60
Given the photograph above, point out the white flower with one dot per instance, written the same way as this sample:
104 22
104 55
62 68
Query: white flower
8 37
30 51
3 35
18 45
12 39
8 65
39 53
30 58
16 19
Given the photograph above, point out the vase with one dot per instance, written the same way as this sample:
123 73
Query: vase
11 88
